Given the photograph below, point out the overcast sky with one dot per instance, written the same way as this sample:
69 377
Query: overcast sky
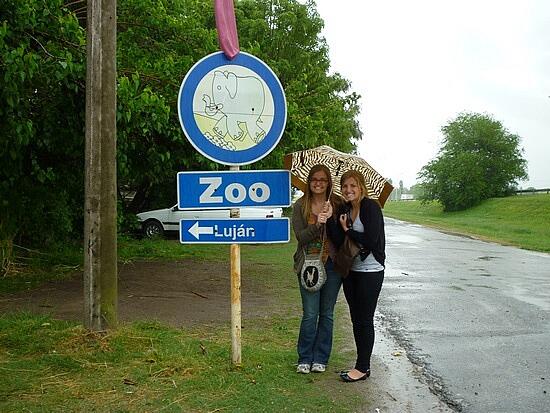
418 64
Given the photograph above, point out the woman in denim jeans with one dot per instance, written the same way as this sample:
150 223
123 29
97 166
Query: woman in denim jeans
310 215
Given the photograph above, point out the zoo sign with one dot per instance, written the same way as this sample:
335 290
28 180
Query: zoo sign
232 111
226 189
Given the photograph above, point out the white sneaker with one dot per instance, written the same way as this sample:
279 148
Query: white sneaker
318 368
302 368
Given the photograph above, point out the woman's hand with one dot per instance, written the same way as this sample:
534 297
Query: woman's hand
343 218
327 209
325 214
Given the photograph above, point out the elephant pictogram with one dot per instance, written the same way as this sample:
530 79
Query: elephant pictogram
240 100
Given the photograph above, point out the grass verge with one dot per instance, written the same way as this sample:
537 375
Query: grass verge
522 221
32 267
50 365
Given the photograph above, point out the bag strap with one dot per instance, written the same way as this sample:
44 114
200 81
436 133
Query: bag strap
323 233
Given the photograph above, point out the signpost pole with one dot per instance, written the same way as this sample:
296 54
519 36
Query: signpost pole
235 294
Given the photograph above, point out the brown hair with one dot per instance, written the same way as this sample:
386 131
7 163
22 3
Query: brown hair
306 203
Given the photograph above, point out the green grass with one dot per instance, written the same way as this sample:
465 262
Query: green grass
32 267
522 221
131 249
50 365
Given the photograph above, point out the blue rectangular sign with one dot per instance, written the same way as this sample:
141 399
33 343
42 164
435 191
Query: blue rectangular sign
233 189
234 231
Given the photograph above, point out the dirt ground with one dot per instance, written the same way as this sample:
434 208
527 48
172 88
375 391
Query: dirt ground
187 292
182 293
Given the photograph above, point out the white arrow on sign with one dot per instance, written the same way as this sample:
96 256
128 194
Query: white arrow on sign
196 230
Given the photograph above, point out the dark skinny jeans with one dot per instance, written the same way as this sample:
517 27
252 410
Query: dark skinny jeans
362 290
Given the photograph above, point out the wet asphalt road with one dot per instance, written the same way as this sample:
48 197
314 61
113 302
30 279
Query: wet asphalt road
474 315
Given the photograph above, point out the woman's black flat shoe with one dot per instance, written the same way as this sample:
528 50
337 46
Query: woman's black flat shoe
346 378
347 371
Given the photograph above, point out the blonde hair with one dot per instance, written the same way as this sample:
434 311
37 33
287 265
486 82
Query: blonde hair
307 198
359 178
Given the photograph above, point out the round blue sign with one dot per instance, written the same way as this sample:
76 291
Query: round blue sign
232 111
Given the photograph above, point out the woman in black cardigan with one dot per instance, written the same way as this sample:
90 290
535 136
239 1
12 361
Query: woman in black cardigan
363 223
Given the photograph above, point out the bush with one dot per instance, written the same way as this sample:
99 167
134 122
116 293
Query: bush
479 159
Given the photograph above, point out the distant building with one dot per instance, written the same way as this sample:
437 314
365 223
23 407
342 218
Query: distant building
407 197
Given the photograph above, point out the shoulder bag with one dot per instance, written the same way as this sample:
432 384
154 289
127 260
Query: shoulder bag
345 256
313 275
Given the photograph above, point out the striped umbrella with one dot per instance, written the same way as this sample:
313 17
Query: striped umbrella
299 164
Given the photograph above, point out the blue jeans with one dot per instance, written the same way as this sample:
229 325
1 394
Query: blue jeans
315 339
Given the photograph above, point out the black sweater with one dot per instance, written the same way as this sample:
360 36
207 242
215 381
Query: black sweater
372 240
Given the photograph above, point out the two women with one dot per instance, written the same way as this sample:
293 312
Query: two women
360 219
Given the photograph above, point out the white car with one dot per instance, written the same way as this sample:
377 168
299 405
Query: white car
154 223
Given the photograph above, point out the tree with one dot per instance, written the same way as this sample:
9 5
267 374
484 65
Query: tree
159 44
322 110
42 78
479 159
418 191
42 71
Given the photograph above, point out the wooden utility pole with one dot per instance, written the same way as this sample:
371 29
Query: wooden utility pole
100 245
235 294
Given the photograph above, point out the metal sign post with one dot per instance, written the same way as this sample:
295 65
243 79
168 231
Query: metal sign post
235 294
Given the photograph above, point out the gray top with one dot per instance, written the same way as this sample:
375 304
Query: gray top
369 264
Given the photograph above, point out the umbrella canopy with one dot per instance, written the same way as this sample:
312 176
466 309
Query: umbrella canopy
300 163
